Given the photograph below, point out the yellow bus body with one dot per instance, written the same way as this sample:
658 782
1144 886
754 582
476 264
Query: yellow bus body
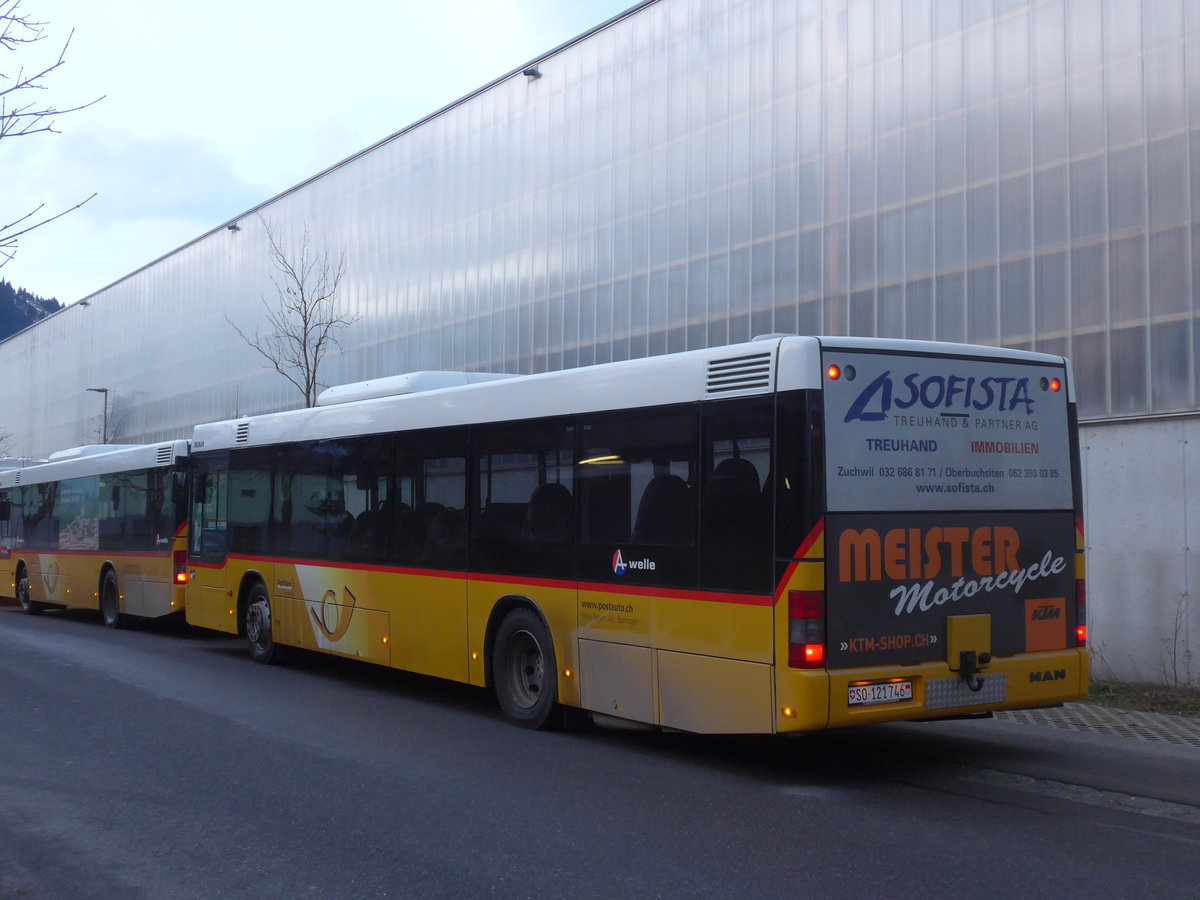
145 581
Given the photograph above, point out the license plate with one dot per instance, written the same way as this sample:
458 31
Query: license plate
887 692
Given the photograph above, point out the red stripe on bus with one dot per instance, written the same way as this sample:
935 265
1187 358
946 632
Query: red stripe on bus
104 554
330 564
800 555
594 587
813 536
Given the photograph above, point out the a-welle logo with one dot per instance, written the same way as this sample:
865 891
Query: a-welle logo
620 565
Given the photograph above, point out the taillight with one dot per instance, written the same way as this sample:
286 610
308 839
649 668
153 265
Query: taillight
806 629
1080 613
179 558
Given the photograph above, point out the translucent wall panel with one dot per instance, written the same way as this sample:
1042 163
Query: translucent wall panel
1024 173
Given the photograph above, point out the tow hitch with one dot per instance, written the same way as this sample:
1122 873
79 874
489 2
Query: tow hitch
969 664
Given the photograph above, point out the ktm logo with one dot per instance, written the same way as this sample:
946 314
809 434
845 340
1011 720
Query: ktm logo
1056 675
1043 613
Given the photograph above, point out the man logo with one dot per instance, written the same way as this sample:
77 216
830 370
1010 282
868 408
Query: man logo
619 567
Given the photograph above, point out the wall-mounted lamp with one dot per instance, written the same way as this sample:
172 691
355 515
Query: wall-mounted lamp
532 73
233 226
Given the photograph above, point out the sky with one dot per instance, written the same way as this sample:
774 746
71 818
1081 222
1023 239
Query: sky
211 108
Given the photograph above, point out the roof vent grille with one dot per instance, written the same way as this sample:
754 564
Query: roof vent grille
163 458
18 477
242 435
740 374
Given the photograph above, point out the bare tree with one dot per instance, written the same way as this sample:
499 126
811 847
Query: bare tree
303 317
6 440
111 430
22 114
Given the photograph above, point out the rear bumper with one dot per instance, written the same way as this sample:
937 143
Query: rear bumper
820 699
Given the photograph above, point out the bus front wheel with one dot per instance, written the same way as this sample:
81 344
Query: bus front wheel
524 672
258 625
110 600
28 606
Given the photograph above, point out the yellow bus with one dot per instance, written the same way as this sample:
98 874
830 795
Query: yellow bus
790 534
98 527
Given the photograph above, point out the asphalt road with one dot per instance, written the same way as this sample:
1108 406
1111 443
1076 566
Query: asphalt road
160 762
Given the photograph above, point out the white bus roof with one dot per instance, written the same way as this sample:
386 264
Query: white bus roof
411 383
758 367
88 450
120 458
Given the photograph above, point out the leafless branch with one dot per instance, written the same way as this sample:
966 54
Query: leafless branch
21 116
8 237
302 319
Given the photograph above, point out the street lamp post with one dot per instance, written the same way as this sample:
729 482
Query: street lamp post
104 426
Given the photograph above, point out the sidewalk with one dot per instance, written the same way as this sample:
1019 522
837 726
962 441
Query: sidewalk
1181 731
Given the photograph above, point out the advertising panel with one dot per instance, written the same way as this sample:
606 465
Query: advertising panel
912 432
894 578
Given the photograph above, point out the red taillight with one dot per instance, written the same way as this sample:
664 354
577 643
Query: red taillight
806 629
1080 613
834 372
179 558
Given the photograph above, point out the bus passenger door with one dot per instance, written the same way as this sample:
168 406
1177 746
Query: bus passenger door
209 598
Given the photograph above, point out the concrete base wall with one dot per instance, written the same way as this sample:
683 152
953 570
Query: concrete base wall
1141 525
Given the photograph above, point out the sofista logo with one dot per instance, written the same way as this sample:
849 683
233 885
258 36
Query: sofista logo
939 392
620 566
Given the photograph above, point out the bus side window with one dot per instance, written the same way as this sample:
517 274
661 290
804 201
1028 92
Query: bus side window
638 480
524 500
735 504
209 515
361 468
425 519
799 472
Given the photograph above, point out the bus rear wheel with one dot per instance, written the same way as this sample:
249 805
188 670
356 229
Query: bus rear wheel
524 672
28 606
258 625
110 600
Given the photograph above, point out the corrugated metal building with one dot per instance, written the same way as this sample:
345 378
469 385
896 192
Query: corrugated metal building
1023 173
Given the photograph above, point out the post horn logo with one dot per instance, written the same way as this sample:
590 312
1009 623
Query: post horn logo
50 577
333 620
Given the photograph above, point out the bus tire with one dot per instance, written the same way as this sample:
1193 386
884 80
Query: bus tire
28 606
258 625
110 600
524 672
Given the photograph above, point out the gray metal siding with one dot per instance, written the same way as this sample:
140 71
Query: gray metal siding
698 172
